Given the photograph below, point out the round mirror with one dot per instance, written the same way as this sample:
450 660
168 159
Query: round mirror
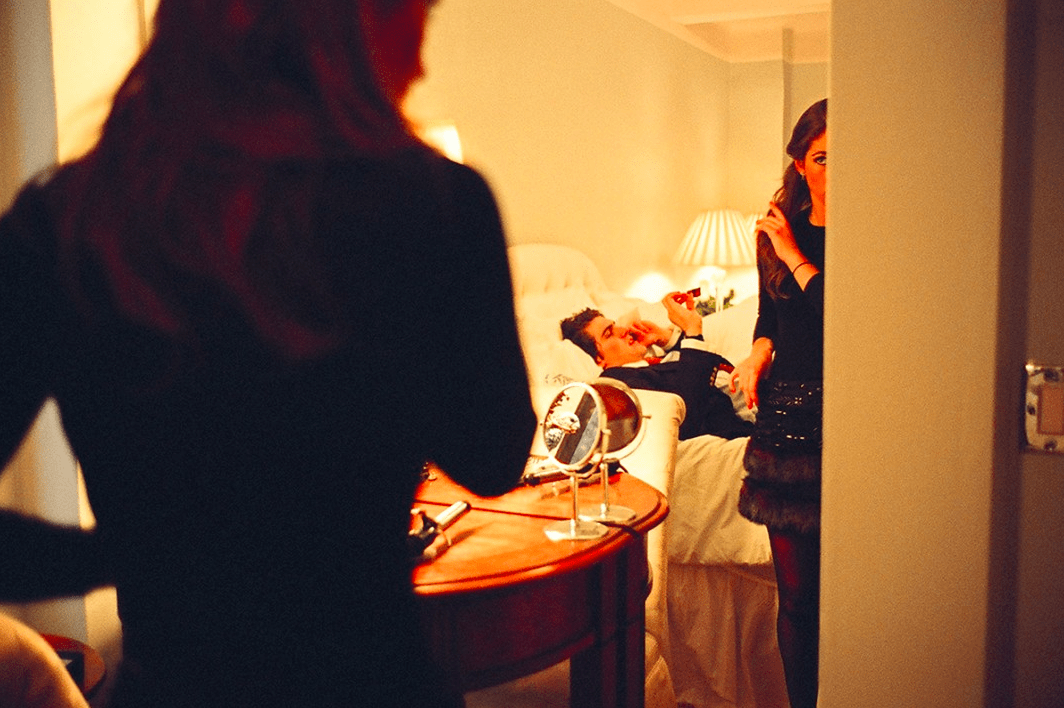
571 428
624 416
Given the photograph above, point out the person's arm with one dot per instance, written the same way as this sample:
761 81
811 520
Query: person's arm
696 366
750 371
809 278
813 290
37 559
486 421
778 229
28 306
806 273
691 377
41 560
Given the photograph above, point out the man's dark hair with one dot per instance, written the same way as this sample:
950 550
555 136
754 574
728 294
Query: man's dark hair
574 329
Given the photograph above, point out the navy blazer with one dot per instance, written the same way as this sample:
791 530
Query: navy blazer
709 410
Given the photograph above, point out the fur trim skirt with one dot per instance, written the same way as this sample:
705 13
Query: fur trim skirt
782 460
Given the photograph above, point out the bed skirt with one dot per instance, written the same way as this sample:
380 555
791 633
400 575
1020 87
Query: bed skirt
723 647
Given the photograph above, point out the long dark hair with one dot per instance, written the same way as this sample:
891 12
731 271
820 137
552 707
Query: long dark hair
177 188
793 195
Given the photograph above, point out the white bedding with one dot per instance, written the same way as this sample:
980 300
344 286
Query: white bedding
724 652
705 527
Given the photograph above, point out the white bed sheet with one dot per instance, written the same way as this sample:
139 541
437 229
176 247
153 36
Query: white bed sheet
704 525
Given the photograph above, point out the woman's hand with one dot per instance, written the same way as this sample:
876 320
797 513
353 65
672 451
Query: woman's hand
751 370
778 230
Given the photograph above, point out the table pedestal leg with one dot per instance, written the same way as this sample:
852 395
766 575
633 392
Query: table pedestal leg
611 672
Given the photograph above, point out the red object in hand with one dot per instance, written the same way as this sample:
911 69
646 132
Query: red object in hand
86 666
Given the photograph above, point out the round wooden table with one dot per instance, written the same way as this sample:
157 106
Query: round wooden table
504 601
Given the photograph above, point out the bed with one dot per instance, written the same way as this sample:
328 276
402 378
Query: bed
714 606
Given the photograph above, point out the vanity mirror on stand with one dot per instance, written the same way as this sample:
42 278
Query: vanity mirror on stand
587 427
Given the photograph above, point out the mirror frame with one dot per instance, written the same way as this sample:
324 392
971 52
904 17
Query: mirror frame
550 424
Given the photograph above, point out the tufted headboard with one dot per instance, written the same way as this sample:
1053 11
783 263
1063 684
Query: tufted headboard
540 268
552 282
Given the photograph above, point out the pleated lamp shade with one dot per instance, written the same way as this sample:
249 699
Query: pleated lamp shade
719 237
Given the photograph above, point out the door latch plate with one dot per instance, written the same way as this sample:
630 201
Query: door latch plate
1044 408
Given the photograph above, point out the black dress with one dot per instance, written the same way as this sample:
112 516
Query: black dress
782 485
252 507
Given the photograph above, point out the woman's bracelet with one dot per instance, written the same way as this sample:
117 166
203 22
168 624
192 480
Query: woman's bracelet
803 263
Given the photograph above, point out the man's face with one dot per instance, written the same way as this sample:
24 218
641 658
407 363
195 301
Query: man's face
616 345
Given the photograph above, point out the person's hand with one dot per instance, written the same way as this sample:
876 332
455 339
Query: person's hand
647 333
751 370
681 310
778 230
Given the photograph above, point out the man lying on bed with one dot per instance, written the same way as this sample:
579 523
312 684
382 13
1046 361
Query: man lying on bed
689 370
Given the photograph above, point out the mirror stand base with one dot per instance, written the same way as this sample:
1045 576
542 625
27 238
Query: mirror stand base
603 512
574 530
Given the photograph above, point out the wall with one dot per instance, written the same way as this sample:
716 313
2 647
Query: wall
599 130
765 99
94 44
806 84
910 338
757 115
941 564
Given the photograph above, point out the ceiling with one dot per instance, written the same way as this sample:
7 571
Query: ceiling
743 30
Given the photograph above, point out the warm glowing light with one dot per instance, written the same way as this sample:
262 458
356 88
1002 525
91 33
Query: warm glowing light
720 237
651 287
444 137
707 275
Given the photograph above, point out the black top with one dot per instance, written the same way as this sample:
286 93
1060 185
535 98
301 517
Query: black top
795 322
709 410
252 510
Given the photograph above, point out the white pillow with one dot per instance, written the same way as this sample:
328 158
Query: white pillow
558 362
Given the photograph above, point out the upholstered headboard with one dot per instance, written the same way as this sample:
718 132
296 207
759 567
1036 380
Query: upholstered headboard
540 268
552 282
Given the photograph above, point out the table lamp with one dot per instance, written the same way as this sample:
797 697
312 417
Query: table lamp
716 240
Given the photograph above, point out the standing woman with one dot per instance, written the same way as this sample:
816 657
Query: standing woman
783 378
252 301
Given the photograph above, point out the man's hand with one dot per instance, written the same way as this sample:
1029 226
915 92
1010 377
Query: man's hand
647 333
680 308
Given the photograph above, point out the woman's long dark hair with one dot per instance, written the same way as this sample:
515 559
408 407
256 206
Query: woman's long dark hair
793 196
177 188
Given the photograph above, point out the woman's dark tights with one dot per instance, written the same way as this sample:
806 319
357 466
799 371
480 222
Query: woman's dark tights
796 557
